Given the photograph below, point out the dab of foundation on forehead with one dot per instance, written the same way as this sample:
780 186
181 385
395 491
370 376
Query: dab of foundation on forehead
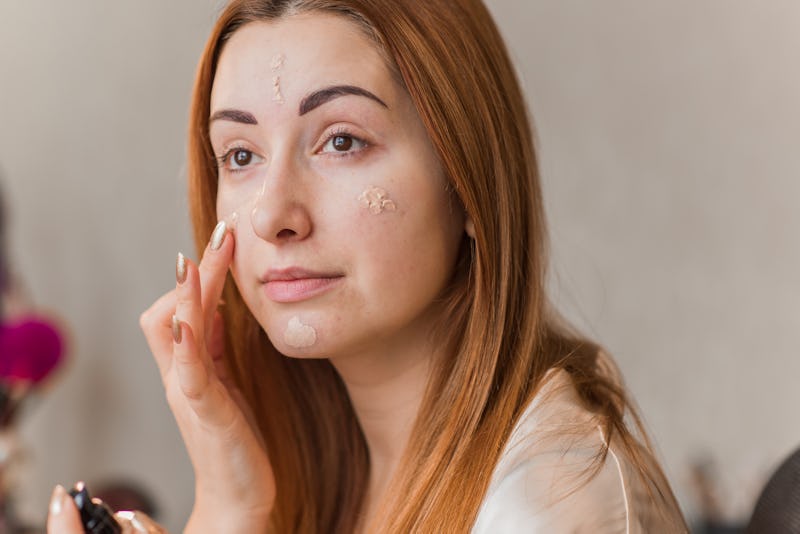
276 66
376 200
277 61
277 96
298 335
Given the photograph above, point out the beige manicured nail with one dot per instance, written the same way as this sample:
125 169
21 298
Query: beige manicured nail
176 329
57 500
219 235
180 268
134 522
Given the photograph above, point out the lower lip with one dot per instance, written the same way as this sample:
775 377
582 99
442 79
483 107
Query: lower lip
300 289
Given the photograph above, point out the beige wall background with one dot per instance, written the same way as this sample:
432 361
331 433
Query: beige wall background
668 137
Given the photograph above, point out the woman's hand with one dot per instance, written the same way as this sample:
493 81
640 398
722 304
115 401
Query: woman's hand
234 483
64 518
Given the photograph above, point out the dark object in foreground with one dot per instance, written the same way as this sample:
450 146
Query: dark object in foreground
97 518
777 510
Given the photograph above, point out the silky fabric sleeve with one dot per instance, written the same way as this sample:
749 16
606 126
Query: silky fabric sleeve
553 493
552 476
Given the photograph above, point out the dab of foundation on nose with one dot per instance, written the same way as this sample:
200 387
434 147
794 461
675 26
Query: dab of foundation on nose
376 200
298 335
257 213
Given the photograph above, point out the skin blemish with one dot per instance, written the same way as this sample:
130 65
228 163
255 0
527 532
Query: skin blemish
376 200
299 335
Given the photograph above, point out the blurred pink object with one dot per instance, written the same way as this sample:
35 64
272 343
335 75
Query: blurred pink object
30 348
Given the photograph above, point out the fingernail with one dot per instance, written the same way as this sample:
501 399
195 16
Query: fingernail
57 500
219 235
176 329
180 268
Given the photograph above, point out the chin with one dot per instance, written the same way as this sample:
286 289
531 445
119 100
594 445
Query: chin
295 335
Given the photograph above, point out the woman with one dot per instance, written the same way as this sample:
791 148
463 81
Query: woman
388 362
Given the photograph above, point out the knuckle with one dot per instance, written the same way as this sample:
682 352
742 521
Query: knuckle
194 389
145 319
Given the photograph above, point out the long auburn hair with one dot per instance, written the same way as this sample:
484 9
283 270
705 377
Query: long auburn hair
502 335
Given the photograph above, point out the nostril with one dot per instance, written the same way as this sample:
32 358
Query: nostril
286 233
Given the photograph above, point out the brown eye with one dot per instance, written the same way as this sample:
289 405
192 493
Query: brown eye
242 158
342 143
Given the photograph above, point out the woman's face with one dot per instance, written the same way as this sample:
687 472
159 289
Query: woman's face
345 230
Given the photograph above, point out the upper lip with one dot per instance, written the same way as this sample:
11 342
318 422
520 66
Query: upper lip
294 273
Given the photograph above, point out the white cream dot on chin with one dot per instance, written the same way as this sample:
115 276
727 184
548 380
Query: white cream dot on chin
376 200
298 335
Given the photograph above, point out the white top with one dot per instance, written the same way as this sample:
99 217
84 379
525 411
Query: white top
539 484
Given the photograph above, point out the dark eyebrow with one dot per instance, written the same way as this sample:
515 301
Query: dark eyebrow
234 115
317 98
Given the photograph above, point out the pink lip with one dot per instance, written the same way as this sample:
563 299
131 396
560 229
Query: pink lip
295 284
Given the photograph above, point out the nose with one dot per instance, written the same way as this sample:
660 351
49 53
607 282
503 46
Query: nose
280 213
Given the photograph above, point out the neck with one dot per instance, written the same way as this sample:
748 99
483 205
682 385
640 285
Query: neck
386 385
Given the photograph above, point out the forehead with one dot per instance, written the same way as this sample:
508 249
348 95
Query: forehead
305 51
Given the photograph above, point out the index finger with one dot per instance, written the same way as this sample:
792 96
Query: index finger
64 517
213 269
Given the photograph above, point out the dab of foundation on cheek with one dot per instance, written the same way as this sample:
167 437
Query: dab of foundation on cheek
298 335
376 200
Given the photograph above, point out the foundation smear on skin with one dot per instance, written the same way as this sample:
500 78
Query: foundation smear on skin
233 220
376 200
299 335
276 90
277 65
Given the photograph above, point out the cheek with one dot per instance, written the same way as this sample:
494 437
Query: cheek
408 237
229 201
381 237
376 200
235 205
